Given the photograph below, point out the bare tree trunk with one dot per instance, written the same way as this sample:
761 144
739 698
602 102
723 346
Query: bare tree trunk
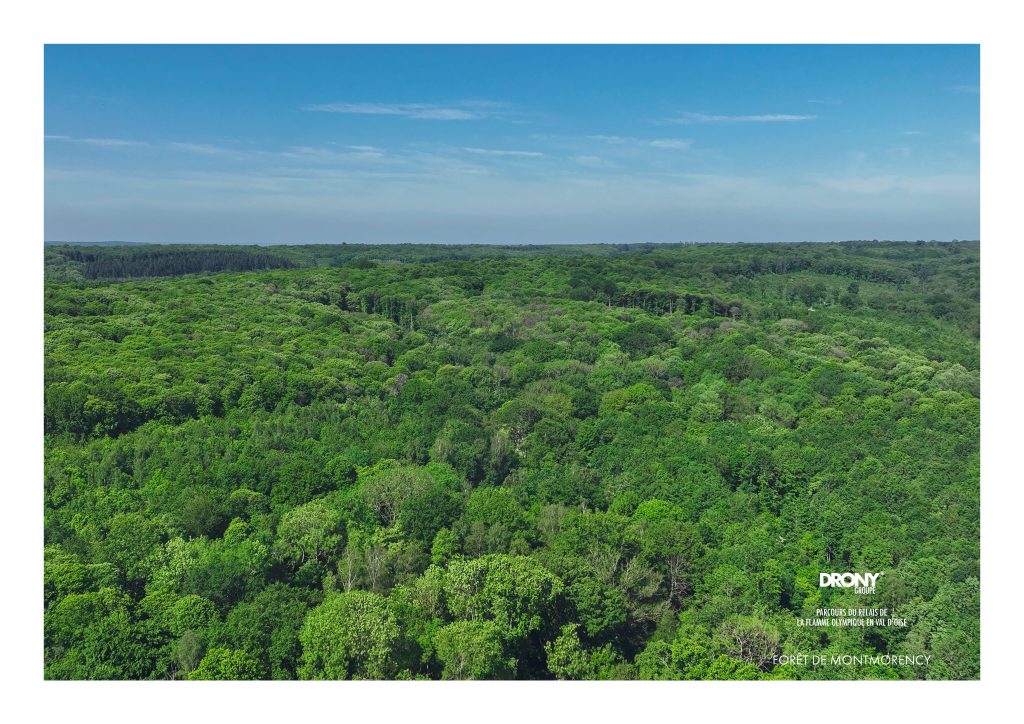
351 567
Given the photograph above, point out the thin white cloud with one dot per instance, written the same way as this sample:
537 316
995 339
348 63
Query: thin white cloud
913 133
315 154
100 142
109 142
501 152
679 144
688 117
668 143
206 149
464 111
968 89
327 154
593 161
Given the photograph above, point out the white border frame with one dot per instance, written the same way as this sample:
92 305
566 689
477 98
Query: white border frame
642 21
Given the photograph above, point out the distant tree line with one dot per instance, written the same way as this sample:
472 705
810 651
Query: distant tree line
122 263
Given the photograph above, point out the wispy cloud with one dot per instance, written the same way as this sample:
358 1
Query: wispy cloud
109 142
669 143
462 111
502 152
825 101
611 139
913 133
102 142
206 149
679 144
969 89
688 117
327 154
314 154
592 161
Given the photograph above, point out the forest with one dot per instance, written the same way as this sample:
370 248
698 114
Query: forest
486 462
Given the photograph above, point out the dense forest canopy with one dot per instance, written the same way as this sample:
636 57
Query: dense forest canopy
608 461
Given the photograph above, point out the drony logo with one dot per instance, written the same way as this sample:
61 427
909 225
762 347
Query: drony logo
859 582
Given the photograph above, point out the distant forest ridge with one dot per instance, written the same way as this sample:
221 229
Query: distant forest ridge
121 262
129 260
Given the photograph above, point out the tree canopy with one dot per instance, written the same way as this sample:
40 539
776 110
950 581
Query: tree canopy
580 462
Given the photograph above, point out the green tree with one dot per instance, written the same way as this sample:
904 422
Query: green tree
308 531
473 650
351 636
226 665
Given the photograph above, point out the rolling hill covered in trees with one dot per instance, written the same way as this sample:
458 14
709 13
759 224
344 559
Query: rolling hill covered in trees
580 462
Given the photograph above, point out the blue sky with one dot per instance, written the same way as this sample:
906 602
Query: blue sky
511 144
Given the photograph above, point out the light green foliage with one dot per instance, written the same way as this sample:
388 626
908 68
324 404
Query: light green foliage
64 574
444 547
226 665
308 531
515 592
693 654
221 570
350 636
473 650
568 659
629 398
190 613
